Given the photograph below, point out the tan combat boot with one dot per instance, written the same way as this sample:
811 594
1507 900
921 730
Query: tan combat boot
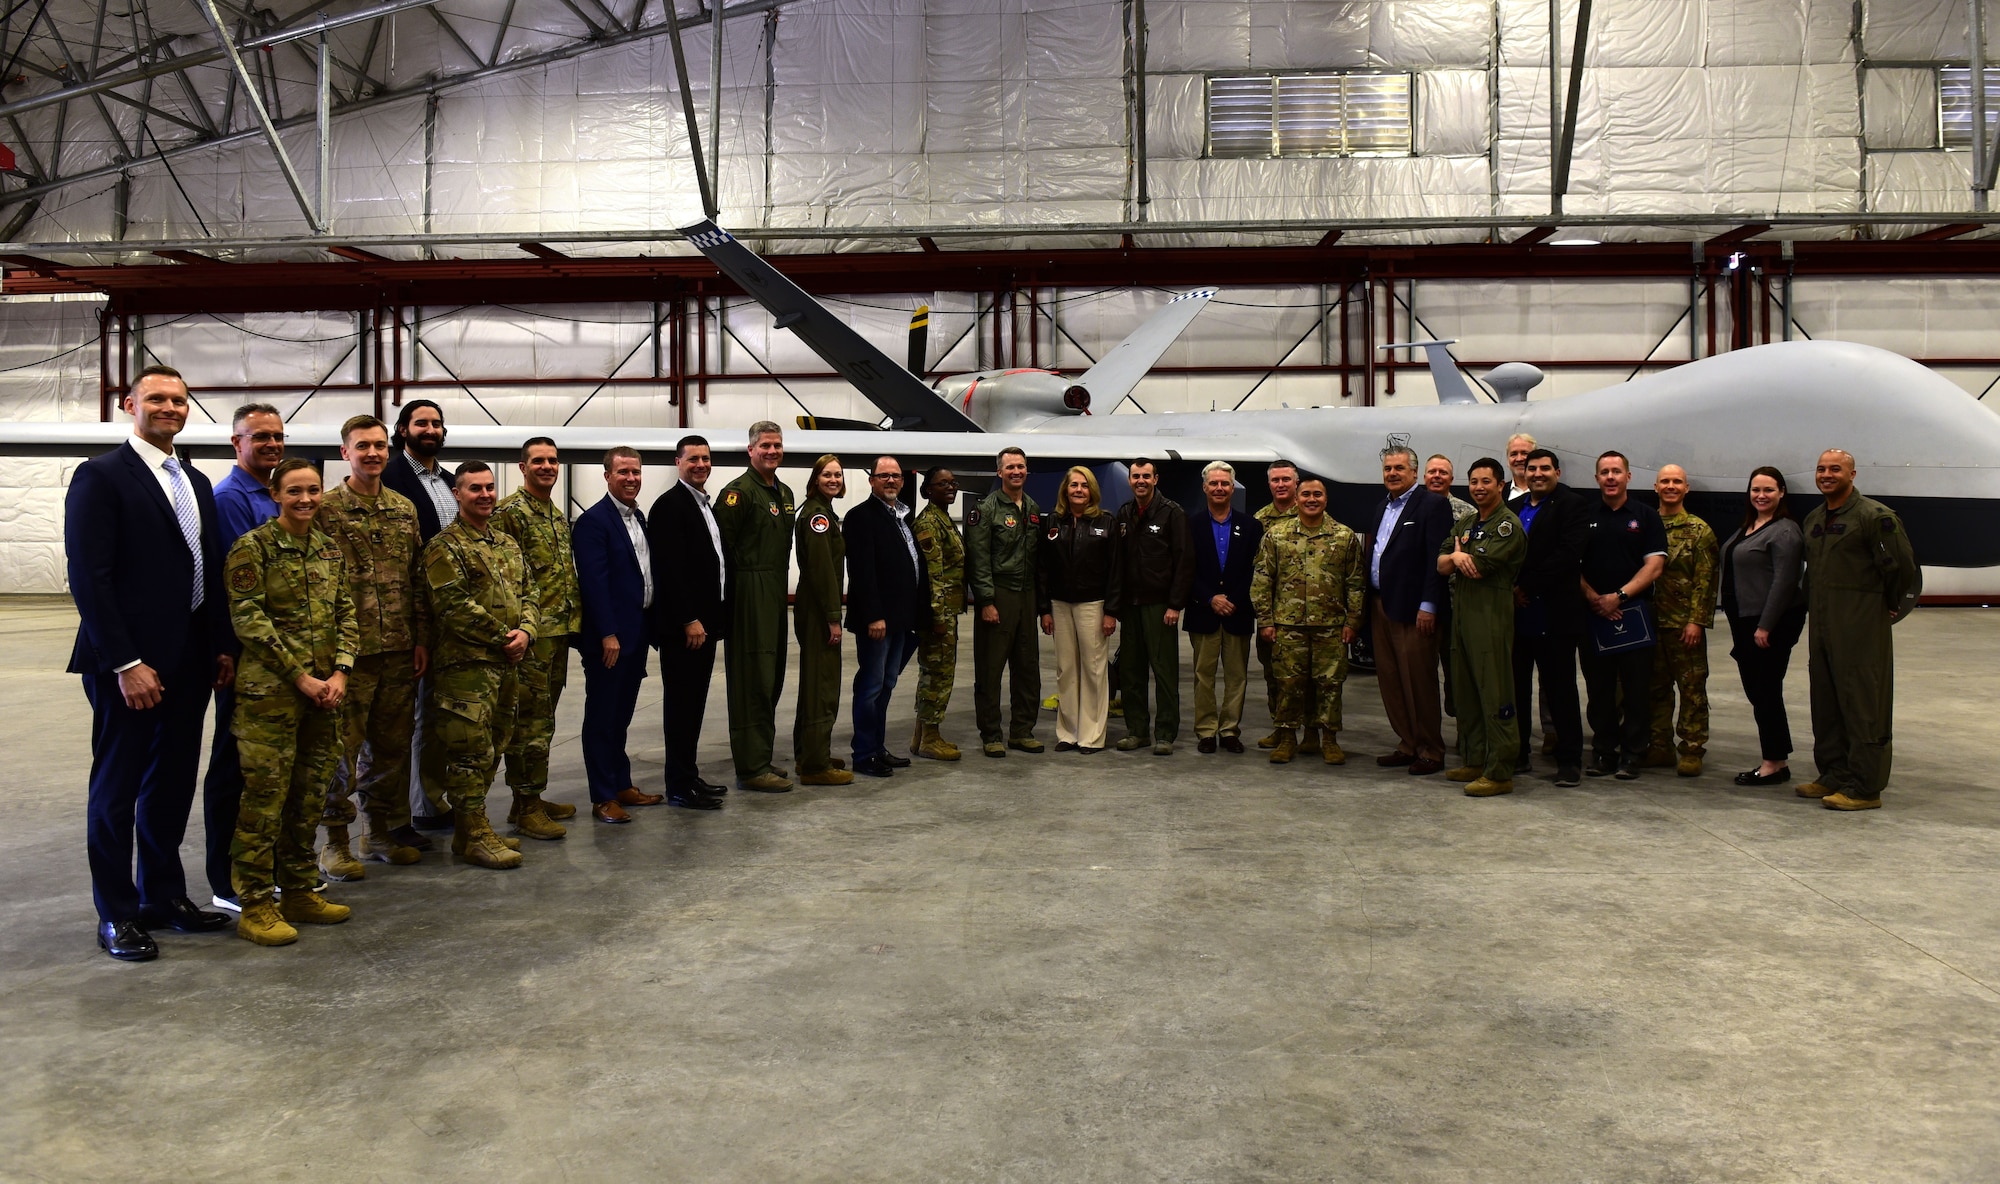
1309 738
380 845
828 776
299 904
1486 787
1286 748
1689 765
336 860
473 840
261 923
1270 741
1659 756
917 740
935 747
1813 789
1465 773
530 817
1330 751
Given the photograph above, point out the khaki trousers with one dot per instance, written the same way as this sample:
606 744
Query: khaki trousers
1232 652
1083 673
1406 665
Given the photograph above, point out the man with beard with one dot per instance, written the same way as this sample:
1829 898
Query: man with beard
413 471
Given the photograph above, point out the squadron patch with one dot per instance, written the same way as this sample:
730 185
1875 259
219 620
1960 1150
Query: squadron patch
774 509
1054 531
1012 522
819 524
729 498
1506 529
243 579
972 516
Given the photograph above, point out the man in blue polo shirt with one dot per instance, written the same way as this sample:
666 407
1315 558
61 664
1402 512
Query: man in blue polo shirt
1624 551
243 502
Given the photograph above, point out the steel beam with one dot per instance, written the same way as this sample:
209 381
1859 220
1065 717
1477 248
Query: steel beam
1976 9
256 99
1559 180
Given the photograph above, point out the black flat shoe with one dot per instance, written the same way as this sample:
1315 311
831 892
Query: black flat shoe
694 801
1753 777
126 941
182 916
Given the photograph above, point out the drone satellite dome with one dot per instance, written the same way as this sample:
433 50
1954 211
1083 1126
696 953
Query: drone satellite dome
1512 381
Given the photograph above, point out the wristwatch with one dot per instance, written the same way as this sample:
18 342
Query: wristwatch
1623 596
339 669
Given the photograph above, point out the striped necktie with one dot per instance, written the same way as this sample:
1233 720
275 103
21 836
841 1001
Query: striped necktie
190 520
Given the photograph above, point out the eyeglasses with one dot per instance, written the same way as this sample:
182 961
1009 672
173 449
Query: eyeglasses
267 437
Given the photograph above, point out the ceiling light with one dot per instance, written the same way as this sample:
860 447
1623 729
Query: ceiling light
1575 242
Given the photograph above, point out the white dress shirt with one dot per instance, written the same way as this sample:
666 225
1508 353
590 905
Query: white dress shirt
715 537
1392 514
636 531
153 458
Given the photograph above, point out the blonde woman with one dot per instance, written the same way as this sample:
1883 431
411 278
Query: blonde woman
1076 592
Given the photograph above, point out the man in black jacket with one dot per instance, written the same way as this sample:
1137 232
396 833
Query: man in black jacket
1405 592
414 471
1218 620
1548 613
888 600
690 614
1156 572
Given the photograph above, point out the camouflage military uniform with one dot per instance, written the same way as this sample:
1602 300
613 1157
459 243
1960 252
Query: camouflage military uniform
1482 640
1684 595
755 520
1859 569
479 592
538 525
289 603
382 552
1267 517
1309 585
937 652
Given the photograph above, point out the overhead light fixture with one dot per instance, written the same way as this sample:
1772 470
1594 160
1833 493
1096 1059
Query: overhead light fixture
1575 242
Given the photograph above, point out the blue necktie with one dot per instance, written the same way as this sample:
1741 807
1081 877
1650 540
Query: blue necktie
190 520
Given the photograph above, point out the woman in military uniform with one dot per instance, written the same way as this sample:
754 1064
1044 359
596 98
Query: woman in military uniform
1076 594
289 602
816 623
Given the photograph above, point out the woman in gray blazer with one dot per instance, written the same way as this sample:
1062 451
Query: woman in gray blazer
1761 568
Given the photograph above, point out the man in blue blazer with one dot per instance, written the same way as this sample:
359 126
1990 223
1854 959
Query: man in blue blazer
1217 620
145 568
1405 593
614 570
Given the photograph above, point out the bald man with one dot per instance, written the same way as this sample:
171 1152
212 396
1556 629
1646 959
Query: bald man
1684 603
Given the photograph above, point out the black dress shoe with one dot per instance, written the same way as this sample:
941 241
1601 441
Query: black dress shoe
1205 744
1753 777
182 916
1231 744
875 766
1602 766
693 800
126 941
711 787
894 761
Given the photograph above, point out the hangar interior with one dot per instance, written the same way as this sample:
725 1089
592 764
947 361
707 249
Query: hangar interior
337 206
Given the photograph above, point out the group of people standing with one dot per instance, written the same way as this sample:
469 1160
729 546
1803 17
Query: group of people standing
384 648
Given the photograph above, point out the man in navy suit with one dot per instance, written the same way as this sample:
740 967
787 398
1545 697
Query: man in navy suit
1218 621
614 570
888 600
145 568
1406 592
690 613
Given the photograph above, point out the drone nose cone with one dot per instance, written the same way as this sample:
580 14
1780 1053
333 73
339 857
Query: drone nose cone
1076 399
1513 380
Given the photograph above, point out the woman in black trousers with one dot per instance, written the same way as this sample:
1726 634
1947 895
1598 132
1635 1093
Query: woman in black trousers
1761 567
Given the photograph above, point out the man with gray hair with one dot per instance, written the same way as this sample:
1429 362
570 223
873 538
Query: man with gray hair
754 516
1218 620
1405 594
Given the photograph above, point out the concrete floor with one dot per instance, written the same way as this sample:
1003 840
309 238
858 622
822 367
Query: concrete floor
1061 968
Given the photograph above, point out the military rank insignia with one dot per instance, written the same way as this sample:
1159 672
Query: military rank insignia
819 523
729 498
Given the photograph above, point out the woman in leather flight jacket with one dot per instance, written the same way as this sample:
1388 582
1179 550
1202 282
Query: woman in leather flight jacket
1076 592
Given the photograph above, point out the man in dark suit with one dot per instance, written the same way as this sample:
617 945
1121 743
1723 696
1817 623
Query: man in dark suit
690 612
1218 622
414 471
1548 613
888 600
145 568
1405 593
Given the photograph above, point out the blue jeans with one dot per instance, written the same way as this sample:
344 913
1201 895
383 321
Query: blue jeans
877 666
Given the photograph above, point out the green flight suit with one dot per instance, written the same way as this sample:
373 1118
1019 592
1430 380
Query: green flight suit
755 520
383 552
479 592
1685 594
289 603
943 550
542 531
1269 515
1308 584
1000 544
1482 640
822 564
1859 570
